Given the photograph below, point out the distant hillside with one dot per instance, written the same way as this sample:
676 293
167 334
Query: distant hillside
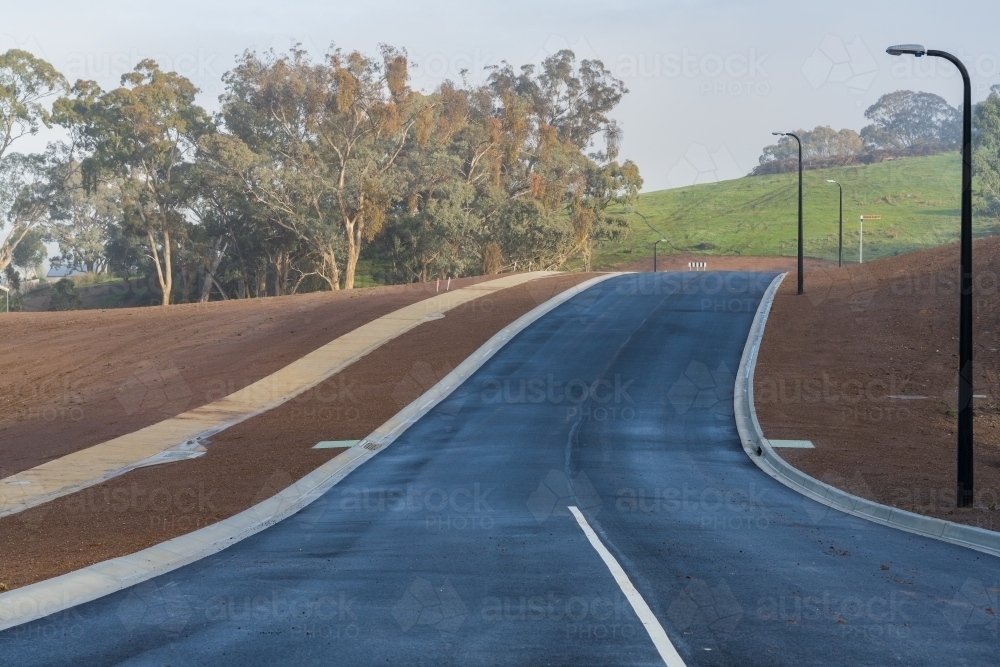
918 199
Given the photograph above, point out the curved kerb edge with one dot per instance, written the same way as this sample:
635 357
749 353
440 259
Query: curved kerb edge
760 452
35 601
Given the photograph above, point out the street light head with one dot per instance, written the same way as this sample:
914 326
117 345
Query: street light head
778 134
831 181
664 241
907 49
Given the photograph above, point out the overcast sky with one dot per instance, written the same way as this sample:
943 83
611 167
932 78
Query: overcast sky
708 80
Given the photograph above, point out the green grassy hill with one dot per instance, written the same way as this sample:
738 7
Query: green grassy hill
918 199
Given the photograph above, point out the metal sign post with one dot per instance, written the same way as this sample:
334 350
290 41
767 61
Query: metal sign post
861 236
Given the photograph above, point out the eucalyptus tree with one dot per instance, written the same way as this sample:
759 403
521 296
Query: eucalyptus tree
904 118
26 83
144 134
322 140
559 134
80 222
516 172
986 156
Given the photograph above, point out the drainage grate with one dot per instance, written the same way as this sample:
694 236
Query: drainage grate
372 446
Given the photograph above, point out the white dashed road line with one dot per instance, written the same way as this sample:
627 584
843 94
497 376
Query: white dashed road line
667 651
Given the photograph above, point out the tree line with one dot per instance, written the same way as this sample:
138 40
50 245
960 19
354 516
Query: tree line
309 168
903 122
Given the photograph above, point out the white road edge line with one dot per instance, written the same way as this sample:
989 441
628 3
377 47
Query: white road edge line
660 640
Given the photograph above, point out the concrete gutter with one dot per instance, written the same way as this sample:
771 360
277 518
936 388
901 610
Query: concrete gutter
51 596
760 452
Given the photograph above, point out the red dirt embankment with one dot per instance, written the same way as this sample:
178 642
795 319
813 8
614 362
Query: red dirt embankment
865 364
257 458
69 380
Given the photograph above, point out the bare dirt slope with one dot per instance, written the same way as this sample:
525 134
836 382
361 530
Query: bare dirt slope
69 380
865 365
255 459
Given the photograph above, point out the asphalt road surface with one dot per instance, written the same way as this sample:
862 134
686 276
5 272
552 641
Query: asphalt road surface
457 544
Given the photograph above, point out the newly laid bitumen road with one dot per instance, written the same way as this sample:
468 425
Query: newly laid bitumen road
457 544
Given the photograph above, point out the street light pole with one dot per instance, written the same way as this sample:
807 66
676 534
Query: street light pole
840 245
799 141
965 378
662 240
654 252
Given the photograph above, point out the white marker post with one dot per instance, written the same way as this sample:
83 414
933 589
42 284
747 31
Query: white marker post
861 236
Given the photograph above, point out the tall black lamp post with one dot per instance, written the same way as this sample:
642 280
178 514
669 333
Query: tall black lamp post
965 468
662 240
799 141
654 252
840 244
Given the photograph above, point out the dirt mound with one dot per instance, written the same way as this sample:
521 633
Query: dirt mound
255 459
69 380
865 365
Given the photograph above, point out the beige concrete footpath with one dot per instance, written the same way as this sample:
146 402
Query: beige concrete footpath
35 601
178 437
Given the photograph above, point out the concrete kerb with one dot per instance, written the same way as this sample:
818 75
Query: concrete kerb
30 603
180 436
759 449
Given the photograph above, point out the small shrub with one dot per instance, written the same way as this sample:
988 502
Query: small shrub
492 258
65 296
